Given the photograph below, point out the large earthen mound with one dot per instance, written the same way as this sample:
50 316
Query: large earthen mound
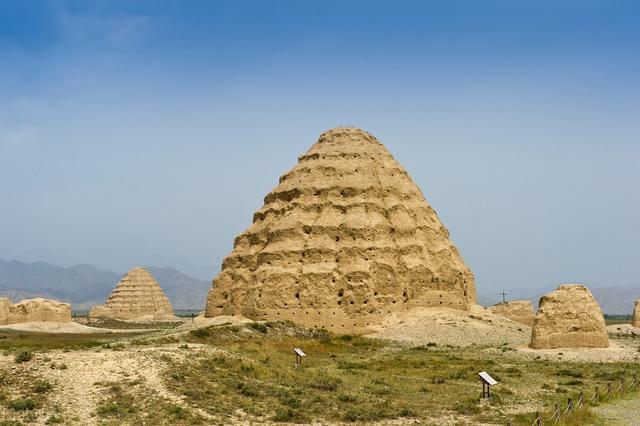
569 318
137 296
30 310
635 321
516 310
345 239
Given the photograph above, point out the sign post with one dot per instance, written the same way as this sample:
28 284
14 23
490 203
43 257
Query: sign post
487 382
299 356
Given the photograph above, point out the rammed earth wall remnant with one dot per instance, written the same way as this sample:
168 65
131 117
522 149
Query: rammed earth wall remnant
30 310
569 318
344 239
137 296
636 315
516 310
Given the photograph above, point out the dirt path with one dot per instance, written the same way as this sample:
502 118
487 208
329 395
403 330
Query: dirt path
620 413
78 385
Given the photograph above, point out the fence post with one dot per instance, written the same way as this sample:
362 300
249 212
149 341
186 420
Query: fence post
538 422
581 400
609 388
569 406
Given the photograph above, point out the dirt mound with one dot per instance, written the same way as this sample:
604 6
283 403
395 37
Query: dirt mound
445 326
517 310
569 318
344 240
34 310
137 296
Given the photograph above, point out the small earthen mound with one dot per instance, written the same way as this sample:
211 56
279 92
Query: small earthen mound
516 310
636 315
345 239
569 318
137 296
31 310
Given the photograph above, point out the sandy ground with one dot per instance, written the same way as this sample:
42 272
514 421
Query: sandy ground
618 351
620 413
445 326
62 327
78 386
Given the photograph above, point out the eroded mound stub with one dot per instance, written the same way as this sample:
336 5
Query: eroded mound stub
345 239
34 310
569 318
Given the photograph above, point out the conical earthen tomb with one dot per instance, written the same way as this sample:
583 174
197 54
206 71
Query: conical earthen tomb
344 239
137 296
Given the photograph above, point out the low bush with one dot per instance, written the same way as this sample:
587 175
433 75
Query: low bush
23 356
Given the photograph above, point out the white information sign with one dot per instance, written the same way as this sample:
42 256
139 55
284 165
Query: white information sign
487 378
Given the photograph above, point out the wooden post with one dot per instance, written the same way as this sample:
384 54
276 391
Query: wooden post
608 388
538 421
569 406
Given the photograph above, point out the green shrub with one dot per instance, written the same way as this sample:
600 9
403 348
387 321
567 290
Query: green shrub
569 373
200 333
262 328
54 419
470 406
285 414
23 356
22 404
42 386
325 383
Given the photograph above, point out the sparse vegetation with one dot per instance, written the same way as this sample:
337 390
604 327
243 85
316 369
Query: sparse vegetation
22 404
343 379
23 356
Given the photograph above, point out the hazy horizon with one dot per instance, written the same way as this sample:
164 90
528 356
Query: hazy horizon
148 133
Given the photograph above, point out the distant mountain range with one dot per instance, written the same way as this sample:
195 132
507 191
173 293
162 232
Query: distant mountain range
86 285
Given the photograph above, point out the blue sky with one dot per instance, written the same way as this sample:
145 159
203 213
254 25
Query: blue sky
147 132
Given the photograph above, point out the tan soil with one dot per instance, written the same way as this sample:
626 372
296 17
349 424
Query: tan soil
63 328
77 388
616 352
445 326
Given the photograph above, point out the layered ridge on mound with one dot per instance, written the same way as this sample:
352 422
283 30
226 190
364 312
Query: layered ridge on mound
137 296
344 239
569 318
30 310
